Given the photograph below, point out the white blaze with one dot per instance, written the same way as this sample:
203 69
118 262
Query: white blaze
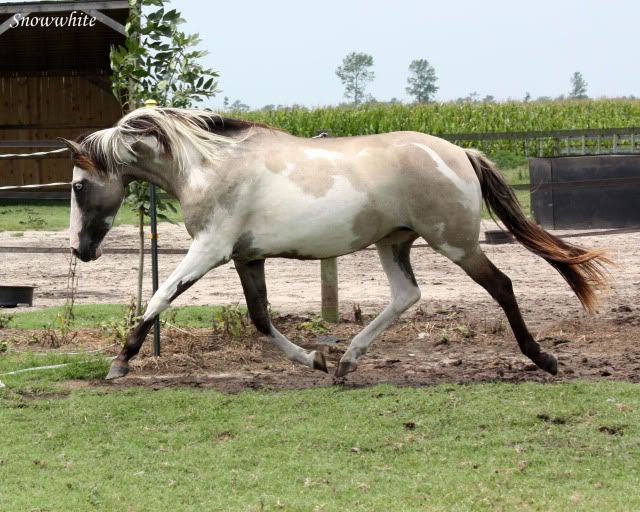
75 220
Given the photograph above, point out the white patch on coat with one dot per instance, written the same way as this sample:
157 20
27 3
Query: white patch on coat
198 178
207 251
314 154
289 169
470 190
451 252
109 221
282 218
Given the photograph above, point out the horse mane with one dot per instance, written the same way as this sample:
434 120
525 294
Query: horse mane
175 129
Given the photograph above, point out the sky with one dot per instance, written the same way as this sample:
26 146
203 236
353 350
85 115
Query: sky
287 51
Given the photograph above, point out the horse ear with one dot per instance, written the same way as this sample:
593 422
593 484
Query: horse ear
74 147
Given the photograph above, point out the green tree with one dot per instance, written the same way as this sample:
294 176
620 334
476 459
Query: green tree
355 73
238 106
422 81
158 61
578 86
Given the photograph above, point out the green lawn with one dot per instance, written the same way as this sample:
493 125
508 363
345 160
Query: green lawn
18 215
449 447
95 315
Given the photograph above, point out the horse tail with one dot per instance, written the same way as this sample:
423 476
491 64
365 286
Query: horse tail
583 270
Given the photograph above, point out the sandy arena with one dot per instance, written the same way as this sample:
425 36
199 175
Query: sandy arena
455 333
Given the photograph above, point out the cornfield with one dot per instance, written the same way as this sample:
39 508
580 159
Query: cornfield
455 118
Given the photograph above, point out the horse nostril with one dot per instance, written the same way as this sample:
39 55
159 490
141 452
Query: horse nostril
75 252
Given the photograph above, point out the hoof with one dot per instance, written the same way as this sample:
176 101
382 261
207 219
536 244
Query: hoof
547 362
319 362
344 368
118 370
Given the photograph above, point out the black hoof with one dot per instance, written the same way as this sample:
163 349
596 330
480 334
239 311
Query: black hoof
547 362
319 362
118 370
344 368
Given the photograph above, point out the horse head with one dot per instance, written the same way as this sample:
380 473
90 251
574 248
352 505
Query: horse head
96 196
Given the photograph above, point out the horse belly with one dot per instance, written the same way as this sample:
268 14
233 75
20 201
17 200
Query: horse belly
289 222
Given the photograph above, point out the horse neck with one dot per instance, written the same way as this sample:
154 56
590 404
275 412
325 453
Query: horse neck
157 172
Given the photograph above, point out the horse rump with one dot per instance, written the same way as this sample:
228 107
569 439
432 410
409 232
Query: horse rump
584 270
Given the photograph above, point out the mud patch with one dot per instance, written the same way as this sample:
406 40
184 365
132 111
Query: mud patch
428 348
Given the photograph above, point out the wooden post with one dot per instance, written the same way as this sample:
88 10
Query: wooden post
329 290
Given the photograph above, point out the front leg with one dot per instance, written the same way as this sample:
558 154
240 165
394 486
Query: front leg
201 258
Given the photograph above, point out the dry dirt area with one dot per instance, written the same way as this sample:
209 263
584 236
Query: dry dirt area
455 334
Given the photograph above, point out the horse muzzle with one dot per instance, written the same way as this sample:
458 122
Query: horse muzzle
87 254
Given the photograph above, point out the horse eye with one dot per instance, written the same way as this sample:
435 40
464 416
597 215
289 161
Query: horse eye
77 187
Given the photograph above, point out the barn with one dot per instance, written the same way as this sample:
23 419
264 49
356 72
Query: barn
54 82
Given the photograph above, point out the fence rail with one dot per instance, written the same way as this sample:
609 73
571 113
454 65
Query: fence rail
597 141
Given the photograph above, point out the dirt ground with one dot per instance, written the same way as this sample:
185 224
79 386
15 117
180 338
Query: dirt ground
455 334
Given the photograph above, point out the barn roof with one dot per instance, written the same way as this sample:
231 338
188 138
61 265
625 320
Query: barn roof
61 50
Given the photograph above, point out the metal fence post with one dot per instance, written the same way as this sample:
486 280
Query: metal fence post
329 289
154 248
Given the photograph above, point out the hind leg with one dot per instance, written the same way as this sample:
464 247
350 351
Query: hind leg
487 275
255 291
394 255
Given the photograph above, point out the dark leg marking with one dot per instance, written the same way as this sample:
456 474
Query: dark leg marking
499 286
255 292
401 253
181 288
120 365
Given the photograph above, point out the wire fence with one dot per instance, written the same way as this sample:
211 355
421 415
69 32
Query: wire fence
32 155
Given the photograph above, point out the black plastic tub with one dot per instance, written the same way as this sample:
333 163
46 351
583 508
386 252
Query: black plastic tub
14 296
586 192
498 237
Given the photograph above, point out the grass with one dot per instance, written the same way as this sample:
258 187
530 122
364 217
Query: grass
520 176
448 447
50 215
81 366
95 315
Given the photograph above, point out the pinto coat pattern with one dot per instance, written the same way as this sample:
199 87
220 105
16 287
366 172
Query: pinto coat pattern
250 192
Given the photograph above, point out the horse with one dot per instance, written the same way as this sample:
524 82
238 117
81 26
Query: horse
250 192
